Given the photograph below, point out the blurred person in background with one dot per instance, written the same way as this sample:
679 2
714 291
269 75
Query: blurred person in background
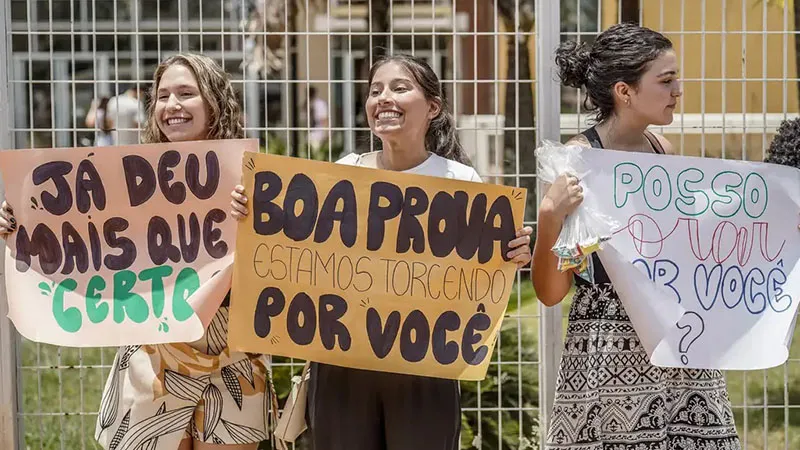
97 118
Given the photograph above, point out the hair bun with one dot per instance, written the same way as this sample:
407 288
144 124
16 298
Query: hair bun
572 59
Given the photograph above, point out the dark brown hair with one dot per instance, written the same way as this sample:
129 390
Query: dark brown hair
621 53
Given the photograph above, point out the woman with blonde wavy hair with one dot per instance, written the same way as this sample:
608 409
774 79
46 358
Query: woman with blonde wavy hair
199 394
194 395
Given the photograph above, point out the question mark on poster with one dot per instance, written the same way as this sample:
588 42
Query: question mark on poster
694 326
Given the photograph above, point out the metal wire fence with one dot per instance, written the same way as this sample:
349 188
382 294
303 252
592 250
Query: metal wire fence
300 71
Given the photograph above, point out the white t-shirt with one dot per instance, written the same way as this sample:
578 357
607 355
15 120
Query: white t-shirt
434 166
125 113
102 139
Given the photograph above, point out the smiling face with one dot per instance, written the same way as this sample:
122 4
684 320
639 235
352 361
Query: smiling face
396 106
181 112
657 92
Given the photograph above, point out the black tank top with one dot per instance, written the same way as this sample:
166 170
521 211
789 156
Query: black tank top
600 275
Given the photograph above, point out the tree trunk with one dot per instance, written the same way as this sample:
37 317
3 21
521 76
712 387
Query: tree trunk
379 15
380 20
525 138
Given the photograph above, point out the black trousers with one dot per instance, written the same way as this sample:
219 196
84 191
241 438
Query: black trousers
351 409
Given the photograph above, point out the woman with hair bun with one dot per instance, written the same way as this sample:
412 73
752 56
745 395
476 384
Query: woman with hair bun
608 395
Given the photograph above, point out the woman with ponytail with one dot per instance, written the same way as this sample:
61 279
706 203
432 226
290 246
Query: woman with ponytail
608 395
351 409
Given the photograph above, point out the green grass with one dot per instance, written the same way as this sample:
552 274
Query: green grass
61 388
60 398
754 389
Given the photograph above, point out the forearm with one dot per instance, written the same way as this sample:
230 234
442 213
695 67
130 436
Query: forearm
551 285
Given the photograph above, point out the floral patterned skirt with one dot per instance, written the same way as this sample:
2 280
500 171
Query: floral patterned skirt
609 397
157 395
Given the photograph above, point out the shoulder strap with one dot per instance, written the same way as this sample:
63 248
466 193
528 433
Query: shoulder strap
654 142
593 138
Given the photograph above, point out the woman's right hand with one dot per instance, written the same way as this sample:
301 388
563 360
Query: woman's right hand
238 203
562 198
8 224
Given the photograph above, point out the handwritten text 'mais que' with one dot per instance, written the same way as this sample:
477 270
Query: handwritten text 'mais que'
451 225
692 192
68 248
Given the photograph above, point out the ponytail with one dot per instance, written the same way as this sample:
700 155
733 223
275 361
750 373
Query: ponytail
442 137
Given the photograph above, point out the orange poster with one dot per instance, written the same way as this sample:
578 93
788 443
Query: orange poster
372 269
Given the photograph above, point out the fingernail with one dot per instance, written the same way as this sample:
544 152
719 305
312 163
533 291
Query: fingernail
12 220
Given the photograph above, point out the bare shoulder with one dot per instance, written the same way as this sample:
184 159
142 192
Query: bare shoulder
665 143
579 140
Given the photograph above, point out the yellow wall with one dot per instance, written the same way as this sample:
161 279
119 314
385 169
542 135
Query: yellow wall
714 57
700 49
743 56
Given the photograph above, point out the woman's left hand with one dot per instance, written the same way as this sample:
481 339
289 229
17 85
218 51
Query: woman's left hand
238 203
520 252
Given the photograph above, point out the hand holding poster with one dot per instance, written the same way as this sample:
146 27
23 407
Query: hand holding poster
120 245
372 269
706 260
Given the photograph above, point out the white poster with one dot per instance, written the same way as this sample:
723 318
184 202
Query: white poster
123 245
705 257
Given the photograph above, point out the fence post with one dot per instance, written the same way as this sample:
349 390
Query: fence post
9 429
548 111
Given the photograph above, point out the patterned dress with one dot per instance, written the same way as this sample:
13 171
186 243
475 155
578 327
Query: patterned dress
157 395
609 397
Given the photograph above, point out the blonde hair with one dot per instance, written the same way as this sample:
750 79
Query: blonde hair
224 112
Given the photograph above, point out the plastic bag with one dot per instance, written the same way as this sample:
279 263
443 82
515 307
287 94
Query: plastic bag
586 229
